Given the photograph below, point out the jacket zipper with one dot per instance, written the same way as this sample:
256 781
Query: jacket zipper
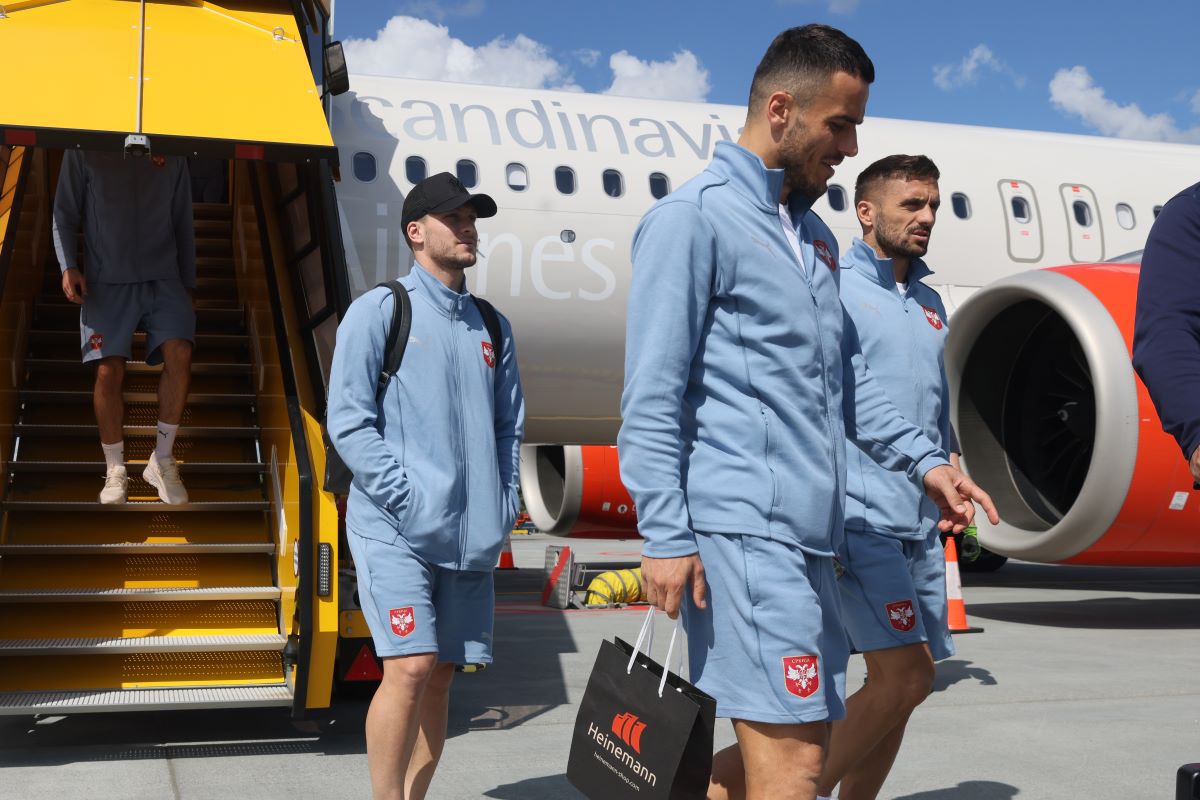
462 435
812 292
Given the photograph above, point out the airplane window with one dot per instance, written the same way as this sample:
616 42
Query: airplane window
1157 211
518 177
1083 213
837 198
468 173
414 169
564 179
1125 216
614 184
364 167
1020 209
660 185
961 205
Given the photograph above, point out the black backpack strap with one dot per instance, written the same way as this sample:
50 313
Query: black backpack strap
397 338
492 321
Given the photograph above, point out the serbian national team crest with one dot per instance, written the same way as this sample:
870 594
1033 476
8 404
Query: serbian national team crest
489 354
403 621
800 675
96 341
158 161
901 615
825 254
931 316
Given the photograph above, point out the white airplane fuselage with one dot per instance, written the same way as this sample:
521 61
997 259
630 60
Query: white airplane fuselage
557 264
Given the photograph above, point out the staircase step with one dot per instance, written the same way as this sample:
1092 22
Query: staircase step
98 467
143 700
160 670
133 507
212 211
137 548
136 367
139 595
202 340
86 620
130 431
141 644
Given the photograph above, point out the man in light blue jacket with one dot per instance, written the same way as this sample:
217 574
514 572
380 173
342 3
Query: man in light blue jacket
740 379
893 586
435 466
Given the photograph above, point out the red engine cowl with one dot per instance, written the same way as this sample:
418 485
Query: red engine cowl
1056 426
576 490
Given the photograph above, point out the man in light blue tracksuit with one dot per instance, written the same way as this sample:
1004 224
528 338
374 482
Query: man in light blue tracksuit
435 466
893 586
740 377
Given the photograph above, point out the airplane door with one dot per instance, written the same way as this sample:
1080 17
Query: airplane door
1083 222
1022 219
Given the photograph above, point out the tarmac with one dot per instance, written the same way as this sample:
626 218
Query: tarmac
1084 685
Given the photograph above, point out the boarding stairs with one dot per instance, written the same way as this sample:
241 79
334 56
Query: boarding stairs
141 605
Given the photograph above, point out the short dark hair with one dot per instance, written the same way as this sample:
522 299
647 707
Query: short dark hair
800 56
910 168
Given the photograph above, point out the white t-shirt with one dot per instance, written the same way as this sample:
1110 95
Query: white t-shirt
789 230
902 288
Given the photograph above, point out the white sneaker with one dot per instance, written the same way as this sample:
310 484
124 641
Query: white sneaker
164 476
116 486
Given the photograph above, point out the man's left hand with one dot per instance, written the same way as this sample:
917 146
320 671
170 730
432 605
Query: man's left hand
954 492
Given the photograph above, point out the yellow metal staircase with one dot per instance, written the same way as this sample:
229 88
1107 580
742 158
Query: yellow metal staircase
141 605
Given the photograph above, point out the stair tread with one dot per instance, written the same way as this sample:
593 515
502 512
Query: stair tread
46 702
142 644
134 506
185 467
134 548
205 593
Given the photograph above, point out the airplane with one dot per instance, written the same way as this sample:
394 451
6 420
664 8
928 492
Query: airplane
1053 421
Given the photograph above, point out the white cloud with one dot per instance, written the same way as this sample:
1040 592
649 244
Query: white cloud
949 77
415 48
1073 91
681 78
439 10
588 57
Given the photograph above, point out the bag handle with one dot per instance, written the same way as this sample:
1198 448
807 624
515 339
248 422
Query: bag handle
647 635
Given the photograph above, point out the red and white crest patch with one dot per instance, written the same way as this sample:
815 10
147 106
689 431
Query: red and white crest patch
158 161
901 615
489 354
800 675
825 254
96 341
403 621
931 316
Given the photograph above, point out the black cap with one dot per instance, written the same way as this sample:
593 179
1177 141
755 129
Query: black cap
440 193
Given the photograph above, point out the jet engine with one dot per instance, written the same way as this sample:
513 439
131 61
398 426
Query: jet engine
1057 427
576 490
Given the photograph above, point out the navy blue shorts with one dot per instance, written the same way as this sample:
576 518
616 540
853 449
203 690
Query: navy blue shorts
112 312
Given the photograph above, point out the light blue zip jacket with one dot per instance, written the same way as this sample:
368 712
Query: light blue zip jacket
737 372
135 214
903 338
437 461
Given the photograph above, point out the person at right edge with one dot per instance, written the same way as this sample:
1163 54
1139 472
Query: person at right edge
1166 331
893 584
742 380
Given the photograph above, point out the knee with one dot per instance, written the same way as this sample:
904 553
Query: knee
408 674
177 354
110 372
440 679
914 685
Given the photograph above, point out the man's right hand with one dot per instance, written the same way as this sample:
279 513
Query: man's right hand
666 578
74 285
1194 463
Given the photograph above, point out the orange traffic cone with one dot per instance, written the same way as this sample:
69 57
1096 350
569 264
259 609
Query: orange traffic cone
506 556
957 616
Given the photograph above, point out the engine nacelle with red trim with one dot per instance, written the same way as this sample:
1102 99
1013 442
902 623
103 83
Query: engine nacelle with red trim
1057 427
576 490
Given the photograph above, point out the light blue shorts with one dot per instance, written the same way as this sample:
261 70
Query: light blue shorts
112 312
414 607
894 592
770 647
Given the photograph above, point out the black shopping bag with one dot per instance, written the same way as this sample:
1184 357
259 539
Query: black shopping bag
637 736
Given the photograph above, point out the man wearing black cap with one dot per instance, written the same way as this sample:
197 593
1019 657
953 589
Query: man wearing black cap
434 459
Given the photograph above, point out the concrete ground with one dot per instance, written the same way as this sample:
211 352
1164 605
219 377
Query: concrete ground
1085 685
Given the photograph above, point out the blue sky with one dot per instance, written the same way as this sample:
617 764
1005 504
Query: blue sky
1119 69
